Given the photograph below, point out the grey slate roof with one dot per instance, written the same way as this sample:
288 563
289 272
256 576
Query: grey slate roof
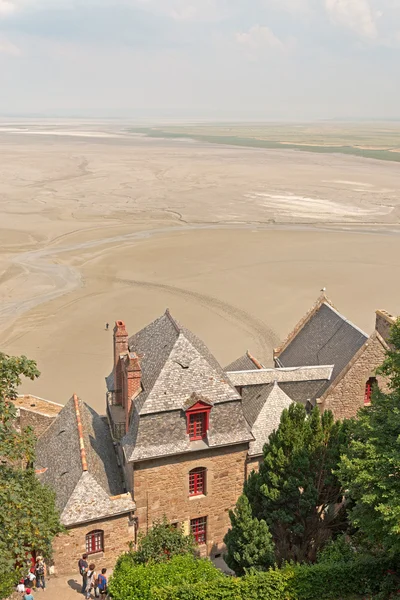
268 418
175 365
82 494
326 338
243 363
303 391
262 376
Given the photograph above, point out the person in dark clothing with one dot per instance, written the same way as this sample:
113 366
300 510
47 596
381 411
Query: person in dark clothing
107 326
83 569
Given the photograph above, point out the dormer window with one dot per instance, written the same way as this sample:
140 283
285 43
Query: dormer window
198 421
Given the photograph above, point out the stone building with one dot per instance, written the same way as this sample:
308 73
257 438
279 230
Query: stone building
76 457
324 336
35 412
181 433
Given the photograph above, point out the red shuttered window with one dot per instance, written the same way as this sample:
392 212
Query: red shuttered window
197 425
369 389
197 481
95 542
198 528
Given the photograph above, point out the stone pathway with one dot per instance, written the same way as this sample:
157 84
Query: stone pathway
62 587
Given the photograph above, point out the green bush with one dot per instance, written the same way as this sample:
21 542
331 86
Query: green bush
132 581
325 581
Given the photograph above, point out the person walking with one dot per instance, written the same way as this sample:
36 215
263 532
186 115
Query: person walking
102 583
83 569
31 578
28 594
40 572
21 586
91 580
107 326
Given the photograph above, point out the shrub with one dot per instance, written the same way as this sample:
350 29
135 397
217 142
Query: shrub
162 542
132 581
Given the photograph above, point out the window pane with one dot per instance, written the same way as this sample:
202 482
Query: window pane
197 481
198 528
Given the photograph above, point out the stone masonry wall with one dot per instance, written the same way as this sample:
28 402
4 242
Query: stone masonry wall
348 395
37 421
253 464
161 486
69 547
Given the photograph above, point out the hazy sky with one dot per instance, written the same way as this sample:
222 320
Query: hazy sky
245 59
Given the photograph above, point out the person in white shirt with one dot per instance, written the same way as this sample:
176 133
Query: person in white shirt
21 587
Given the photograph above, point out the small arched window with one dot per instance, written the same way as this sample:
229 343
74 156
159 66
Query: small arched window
369 386
95 541
197 481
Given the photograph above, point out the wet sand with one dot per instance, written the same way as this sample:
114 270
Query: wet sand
236 242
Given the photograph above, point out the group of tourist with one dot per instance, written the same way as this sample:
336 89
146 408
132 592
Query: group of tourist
91 581
35 578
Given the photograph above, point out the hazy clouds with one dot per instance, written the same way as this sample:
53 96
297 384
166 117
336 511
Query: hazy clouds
201 58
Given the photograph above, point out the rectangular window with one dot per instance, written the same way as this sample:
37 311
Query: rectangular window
198 528
197 425
94 542
369 389
197 480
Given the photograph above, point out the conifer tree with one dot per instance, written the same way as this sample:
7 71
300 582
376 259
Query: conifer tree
370 467
249 541
296 490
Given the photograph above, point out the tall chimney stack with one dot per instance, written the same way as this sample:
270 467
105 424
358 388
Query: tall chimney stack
132 383
120 347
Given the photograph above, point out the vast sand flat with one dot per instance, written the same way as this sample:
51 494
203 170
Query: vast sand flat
236 242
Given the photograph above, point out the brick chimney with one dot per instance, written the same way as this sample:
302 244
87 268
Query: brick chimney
383 323
120 347
132 383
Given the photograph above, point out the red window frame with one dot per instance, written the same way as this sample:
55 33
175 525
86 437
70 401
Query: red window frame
94 541
197 481
198 419
368 389
198 527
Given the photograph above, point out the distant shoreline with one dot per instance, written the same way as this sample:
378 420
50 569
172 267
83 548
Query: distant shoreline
377 154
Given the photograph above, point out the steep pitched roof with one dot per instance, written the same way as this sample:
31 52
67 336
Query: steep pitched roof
266 415
175 363
77 459
323 337
246 362
177 368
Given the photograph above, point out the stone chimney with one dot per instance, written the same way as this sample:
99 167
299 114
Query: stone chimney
383 323
132 384
120 347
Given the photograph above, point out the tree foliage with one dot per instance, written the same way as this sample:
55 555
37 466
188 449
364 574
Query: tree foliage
249 542
28 517
370 467
162 542
296 490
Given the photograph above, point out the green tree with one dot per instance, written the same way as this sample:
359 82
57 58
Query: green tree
249 541
162 542
28 517
296 490
370 466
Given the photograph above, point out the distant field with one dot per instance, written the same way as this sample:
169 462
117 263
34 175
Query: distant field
369 140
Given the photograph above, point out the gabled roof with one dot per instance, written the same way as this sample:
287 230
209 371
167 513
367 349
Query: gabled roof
174 364
323 337
77 458
265 409
246 362
178 370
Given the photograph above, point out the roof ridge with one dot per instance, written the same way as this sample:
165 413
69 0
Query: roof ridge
80 433
176 325
322 299
254 360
